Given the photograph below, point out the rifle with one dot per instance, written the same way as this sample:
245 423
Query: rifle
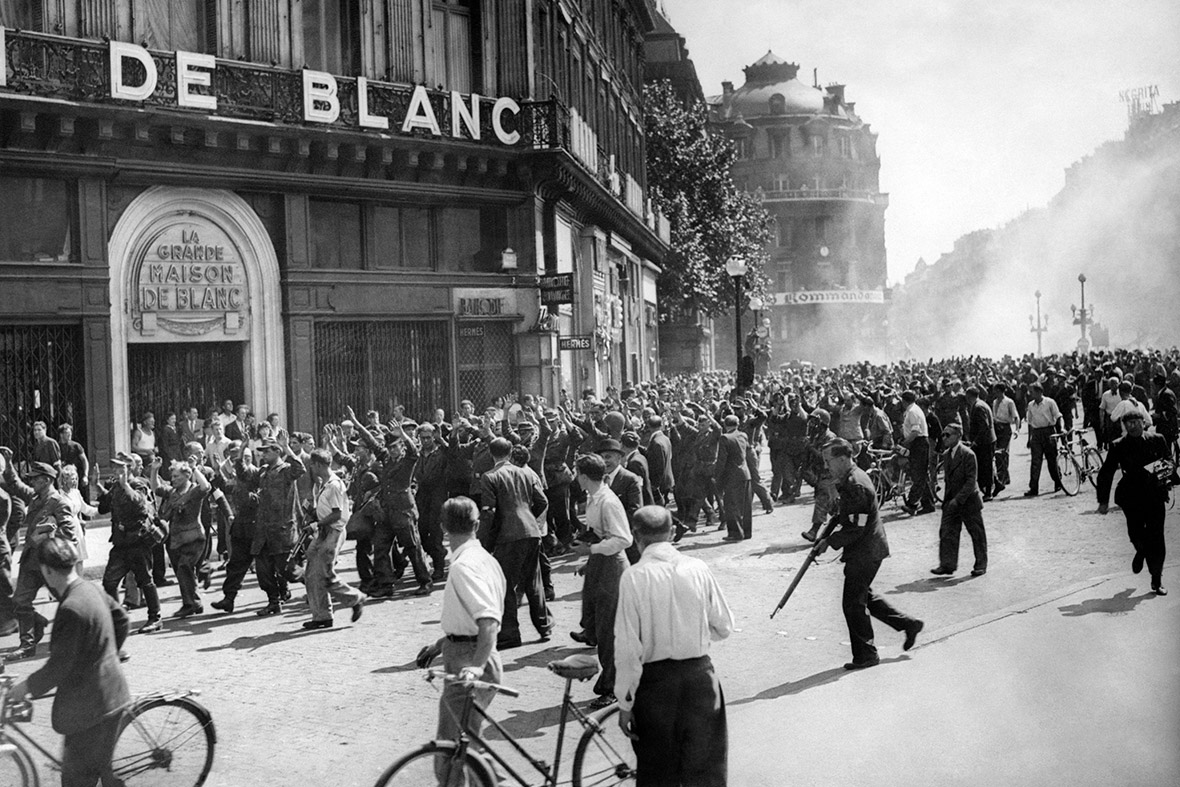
828 527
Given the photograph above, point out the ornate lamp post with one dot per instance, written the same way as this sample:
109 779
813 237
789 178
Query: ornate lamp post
1082 317
1040 327
736 268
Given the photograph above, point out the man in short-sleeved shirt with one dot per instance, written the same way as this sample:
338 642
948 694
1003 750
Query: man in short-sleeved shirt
473 602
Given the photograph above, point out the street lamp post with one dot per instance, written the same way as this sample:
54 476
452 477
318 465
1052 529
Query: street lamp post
1040 327
736 268
1082 317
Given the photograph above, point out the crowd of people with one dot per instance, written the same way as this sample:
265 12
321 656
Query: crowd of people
541 479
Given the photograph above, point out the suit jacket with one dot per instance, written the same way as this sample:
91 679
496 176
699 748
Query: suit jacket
659 461
962 484
638 466
731 458
236 430
52 509
628 487
860 532
192 432
171 447
513 505
980 429
83 664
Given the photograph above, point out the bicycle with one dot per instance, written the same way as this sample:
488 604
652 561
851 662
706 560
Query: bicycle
603 756
166 739
1077 461
889 471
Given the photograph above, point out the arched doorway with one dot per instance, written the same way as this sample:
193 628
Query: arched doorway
194 307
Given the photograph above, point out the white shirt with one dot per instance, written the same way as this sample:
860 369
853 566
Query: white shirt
606 516
1004 411
330 495
1110 400
670 607
1041 415
913 423
475 589
216 448
1126 406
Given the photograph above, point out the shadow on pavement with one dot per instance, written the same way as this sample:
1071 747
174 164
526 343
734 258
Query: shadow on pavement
528 724
1120 603
409 666
810 682
540 658
929 585
254 643
781 549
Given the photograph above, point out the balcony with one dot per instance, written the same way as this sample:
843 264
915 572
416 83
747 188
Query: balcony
794 195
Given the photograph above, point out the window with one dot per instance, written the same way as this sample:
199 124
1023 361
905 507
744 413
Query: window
454 37
780 143
817 145
845 147
822 224
23 15
336 235
786 233
417 238
189 25
745 147
778 104
331 36
36 215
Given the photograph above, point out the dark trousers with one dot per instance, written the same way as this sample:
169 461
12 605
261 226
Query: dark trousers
1003 441
269 568
860 602
558 496
785 473
1044 448
159 564
520 562
239 564
364 560
949 529
7 589
386 538
1145 528
135 560
28 583
185 560
680 720
985 454
919 470
430 502
736 512
600 597
86 755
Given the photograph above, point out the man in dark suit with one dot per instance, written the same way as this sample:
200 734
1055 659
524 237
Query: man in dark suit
83 666
169 445
636 464
513 509
659 460
962 506
238 429
192 429
981 435
733 478
862 537
627 486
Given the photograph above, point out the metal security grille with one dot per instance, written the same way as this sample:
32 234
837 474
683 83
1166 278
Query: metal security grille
170 378
41 379
378 365
487 362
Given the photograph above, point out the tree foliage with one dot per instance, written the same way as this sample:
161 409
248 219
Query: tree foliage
688 174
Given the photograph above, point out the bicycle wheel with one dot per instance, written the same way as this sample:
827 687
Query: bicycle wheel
165 743
880 485
438 763
604 755
1071 476
935 487
1092 462
16 766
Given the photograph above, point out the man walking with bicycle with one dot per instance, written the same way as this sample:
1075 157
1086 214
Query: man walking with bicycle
83 666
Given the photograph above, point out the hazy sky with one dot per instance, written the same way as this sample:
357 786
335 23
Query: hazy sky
979 106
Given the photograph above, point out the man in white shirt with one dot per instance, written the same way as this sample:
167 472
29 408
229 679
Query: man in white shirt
915 435
1043 420
218 444
606 521
1128 403
1007 422
670 700
473 602
332 510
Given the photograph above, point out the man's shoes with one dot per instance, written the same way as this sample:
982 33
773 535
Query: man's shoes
926 510
424 589
20 654
439 575
507 644
546 634
978 572
381 593
987 498
942 570
311 625
1137 563
285 596
124 657
128 605
358 609
163 583
909 509
1158 589
601 701
273 608
1031 493
206 579
680 531
911 634
225 605
855 665
768 509
584 638
732 538
999 488
188 612
153 625
808 535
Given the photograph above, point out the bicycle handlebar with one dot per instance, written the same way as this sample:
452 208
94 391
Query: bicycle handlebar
474 684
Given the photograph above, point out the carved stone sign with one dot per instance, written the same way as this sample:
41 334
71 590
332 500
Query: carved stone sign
189 284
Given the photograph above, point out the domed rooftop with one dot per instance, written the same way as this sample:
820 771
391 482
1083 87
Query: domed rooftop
772 89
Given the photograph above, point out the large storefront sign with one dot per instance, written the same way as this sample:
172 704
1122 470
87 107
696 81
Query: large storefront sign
191 283
202 82
484 303
808 297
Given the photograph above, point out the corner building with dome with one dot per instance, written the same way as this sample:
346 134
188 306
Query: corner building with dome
811 160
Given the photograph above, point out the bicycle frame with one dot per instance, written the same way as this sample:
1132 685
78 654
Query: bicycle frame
467 735
9 725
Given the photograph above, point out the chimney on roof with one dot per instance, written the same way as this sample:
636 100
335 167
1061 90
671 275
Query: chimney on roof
837 91
726 88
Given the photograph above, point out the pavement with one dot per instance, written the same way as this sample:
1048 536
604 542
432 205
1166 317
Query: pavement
1056 667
